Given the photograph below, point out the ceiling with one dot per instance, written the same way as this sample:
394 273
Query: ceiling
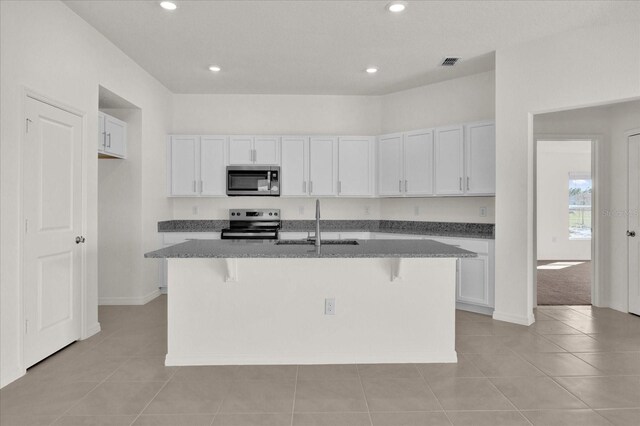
324 46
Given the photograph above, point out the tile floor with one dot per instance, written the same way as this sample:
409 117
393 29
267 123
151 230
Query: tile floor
574 366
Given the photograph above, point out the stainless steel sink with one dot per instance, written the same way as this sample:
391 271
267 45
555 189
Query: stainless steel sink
311 242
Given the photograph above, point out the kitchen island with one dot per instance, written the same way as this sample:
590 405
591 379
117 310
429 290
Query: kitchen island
261 302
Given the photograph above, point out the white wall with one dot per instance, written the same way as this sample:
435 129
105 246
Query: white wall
555 160
455 101
69 68
574 69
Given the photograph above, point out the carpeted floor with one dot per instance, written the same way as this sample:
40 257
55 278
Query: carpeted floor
570 285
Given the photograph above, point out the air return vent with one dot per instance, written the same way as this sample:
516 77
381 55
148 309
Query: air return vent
449 61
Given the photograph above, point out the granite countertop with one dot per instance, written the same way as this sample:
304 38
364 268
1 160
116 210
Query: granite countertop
269 249
440 229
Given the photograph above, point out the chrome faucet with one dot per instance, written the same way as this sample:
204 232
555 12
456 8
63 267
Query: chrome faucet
317 222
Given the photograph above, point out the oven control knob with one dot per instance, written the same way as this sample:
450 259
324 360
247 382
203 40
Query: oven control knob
270 214
276 214
233 214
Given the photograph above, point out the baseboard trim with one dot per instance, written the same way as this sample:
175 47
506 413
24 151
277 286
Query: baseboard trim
390 358
11 376
515 319
92 330
484 310
143 300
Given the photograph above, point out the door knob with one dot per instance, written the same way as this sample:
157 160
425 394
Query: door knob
631 233
79 239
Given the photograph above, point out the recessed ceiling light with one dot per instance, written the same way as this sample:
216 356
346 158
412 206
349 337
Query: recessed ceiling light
214 68
396 6
168 5
372 70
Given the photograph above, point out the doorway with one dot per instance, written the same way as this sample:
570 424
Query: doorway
52 242
633 222
565 191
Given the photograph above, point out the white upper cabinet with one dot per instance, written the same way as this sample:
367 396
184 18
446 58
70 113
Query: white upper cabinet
197 165
247 150
112 136
390 169
212 165
322 166
418 163
449 160
480 153
183 158
294 169
355 166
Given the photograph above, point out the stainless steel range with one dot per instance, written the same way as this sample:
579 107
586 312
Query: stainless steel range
254 224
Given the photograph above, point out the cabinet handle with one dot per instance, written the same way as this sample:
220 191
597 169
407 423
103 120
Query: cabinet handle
194 186
467 183
406 186
460 183
254 155
304 186
201 185
339 187
310 187
400 185
109 136
104 140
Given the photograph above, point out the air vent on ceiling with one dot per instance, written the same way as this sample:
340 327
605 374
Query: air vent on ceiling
449 61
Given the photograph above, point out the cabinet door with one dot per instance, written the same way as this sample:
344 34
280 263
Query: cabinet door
183 165
390 166
240 150
418 163
449 151
473 281
102 134
266 150
212 165
481 158
354 166
322 174
294 173
116 132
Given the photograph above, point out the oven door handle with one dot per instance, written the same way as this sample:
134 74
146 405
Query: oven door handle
248 234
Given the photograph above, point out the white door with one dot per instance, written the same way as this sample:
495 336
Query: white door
213 171
390 165
240 150
321 166
634 224
481 158
266 150
183 165
294 174
116 133
449 151
354 166
418 163
52 202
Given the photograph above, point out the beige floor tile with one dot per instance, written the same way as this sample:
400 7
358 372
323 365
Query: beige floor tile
531 393
329 395
501 328
529 343
553 327
503 365
469 394
433 418
540 316
266 372
253 419
262 396
605 392
201 373
195 397
399 395
95 421
34 400
487 418
331 419
174 420
566 314
462 316
27 420
116 399
462 368
480 344
115 346
388 371
619 342
561 364
577 343
614 363
621 417
149 369
565 418
470 328
327 372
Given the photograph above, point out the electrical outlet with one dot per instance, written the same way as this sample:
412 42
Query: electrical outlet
330 306
301 210
483 212
194 210
416 210
367 210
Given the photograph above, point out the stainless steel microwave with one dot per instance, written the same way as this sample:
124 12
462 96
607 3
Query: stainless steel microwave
253 180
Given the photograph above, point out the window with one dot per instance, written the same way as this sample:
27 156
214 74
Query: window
580 190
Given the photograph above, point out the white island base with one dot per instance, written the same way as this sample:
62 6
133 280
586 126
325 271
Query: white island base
272 311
